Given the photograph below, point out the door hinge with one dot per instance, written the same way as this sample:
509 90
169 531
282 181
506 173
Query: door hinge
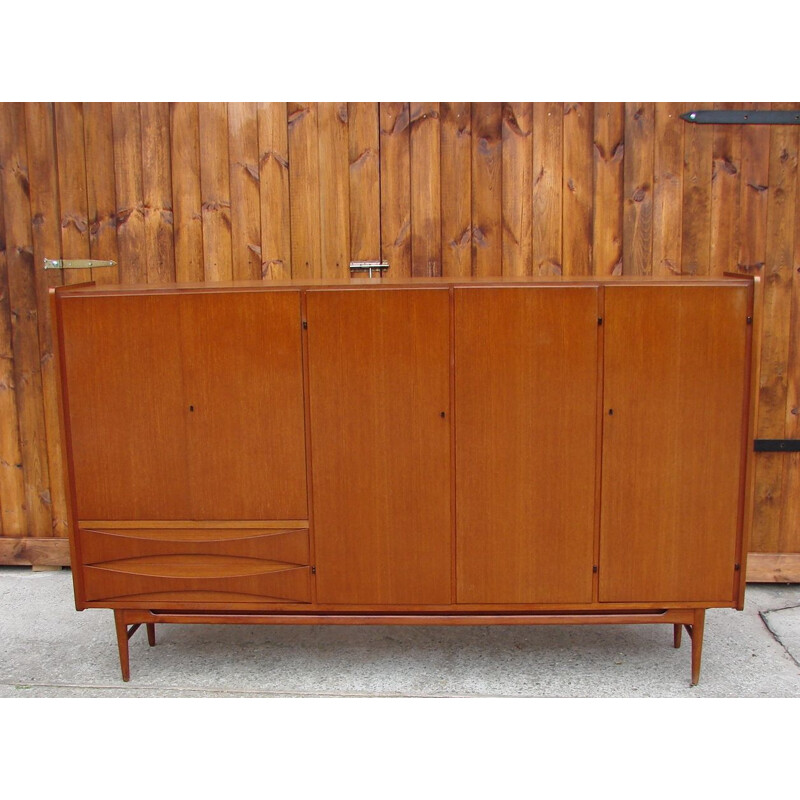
599 320
594 568
737 567
313 570
305 325
749 320
745 116
76 263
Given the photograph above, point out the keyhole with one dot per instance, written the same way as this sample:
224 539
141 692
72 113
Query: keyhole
191 408
442 414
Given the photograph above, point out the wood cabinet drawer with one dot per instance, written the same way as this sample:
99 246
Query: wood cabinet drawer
195 564
199 579
281 545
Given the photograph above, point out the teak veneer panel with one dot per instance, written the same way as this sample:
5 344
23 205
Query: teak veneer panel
675 370
168 441
288 546
243 376
126 414
379 380
270 585
526 400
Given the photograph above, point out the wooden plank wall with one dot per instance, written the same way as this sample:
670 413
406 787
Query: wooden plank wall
218 191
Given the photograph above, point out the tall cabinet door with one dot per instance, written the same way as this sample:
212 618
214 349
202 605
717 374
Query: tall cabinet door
674 397
526 430
243 373
126 414
380 432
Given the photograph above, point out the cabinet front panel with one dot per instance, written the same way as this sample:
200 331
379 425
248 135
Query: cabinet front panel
188 579
380 432
526 422
243 373
675 367
276 545
126 415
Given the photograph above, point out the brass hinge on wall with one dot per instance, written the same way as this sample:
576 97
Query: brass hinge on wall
76 263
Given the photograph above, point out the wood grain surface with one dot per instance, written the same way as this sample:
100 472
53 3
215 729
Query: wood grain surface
672 456
179 192
379 377
526 402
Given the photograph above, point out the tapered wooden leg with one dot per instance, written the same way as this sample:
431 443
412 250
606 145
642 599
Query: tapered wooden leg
122 642
151 634
697 643
677 630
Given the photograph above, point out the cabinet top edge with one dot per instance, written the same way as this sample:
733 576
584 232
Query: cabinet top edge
399 283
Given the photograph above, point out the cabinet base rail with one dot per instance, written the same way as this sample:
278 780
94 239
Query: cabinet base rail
693 620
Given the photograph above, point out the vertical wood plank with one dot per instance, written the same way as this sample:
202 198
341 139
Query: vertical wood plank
273 170
100 189
609 148
334 189
517 157
726 160
273 165
426 206
790 489
13 519
667 188
157 193
637 239
697 166
365 197
245 190
72 187
304 190
487 188
395 160
215 191
547 186
754 195
43 178
774 395
456 188
129 204
184 131
578 189
23 304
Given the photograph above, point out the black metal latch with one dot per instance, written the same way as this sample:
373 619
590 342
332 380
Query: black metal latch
776 445
743 117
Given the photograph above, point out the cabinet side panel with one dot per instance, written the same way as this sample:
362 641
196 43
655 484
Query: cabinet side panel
675 368
380 399
122 369
526 411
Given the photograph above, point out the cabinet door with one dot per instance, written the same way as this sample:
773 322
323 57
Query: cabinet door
526 430
380 432
126 413
187 406
243 376
675 367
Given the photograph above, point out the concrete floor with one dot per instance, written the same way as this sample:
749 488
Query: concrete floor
50 650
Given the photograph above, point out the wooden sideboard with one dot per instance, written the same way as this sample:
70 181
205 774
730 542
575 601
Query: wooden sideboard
499 451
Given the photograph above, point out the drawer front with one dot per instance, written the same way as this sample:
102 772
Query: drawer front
195 564
187 579
280 545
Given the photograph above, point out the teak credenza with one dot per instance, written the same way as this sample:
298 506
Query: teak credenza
425 452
